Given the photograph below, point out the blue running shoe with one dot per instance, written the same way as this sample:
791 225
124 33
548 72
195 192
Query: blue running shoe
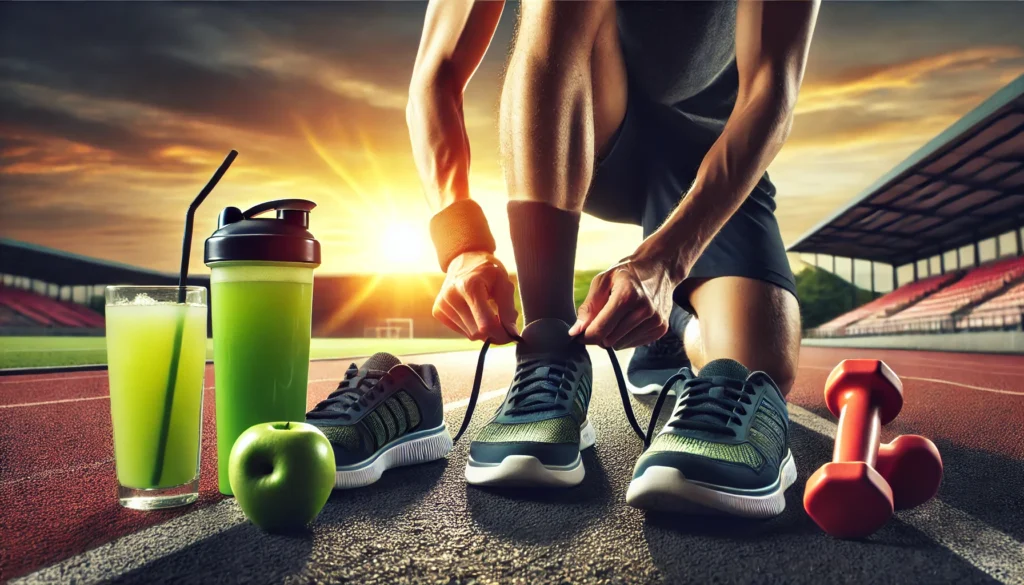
383 415
724 450
653 364
537 433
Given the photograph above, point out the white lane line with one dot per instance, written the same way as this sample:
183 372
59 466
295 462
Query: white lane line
946 366
51 379
984 547
937 381
108 396
40 350
54 401
57 471
133 551
1015 368
482 398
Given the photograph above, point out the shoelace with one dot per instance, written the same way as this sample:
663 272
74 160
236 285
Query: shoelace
350 396
695 400
545 381
620 380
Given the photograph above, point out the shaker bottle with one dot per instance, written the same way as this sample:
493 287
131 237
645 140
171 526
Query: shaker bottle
261 282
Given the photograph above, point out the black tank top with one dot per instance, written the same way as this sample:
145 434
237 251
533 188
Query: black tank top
682 54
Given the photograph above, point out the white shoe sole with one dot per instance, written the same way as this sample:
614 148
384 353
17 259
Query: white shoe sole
666 489
648 390
528 471
423 447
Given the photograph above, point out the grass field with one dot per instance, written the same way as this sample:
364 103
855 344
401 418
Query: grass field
28 352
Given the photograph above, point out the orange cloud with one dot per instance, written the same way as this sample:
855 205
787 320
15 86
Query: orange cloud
849 87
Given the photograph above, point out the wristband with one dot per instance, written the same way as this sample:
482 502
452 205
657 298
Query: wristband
461 227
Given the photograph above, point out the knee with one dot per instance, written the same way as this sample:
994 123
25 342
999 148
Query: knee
783 373
554 29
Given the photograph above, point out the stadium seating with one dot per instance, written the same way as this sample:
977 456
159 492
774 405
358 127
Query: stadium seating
1000 311
973 287
38 310
11 318
888 303
938 311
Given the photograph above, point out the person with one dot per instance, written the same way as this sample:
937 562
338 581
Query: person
660 114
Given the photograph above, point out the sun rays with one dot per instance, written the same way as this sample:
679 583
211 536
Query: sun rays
394 239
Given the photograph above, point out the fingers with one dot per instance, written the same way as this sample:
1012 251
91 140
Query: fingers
466 307
597 297
632 320
458 301
448 317
650 330
483 312
504 297
618 306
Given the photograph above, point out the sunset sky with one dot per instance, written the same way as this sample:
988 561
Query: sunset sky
113 115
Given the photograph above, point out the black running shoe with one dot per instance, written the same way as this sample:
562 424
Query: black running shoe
725 449
536 436
653 364
383 415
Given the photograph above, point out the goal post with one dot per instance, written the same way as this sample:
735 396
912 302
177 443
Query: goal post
391 328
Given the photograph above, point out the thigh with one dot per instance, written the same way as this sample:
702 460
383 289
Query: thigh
751 321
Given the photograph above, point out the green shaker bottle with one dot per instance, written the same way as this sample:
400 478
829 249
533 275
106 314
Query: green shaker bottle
262 303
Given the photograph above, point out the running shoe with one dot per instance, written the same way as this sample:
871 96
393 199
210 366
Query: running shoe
538 431
383 415
725 448
653 364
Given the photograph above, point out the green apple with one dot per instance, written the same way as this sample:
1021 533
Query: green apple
282 474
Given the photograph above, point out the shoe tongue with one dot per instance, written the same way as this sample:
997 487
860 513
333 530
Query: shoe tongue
724 368
381 362
544 335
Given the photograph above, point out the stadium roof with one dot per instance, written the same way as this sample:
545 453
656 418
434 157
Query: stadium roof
965 185
65 268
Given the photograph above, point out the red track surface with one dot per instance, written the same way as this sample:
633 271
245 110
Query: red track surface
57 481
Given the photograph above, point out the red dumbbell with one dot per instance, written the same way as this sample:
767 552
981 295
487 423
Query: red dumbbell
855 494
848 498
912 466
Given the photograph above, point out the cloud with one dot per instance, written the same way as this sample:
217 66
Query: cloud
850 87
113 115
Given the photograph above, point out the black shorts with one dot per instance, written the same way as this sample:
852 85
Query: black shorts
652 163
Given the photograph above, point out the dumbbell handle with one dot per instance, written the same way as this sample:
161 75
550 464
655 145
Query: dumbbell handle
859 428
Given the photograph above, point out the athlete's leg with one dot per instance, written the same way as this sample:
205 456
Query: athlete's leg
732 457
751 321
564 98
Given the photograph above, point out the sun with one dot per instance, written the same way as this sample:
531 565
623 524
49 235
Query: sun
405 246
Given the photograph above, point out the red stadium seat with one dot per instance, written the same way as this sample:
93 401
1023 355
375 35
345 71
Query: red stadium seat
49 312
937 311
888 303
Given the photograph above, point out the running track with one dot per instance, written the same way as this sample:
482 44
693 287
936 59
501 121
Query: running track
57 487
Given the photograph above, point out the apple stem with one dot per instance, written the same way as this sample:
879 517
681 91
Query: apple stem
287 425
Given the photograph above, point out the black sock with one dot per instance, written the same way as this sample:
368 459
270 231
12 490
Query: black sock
544 241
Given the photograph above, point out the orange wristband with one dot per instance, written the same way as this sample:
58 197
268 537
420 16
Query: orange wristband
461 227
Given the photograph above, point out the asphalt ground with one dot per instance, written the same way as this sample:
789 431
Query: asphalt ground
60 521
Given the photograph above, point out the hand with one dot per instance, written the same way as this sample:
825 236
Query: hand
476 298
628 305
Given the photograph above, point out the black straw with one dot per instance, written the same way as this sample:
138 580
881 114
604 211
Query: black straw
186 241
186 248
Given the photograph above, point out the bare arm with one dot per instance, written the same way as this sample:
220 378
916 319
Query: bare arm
629 303
456 34
772 42
476 298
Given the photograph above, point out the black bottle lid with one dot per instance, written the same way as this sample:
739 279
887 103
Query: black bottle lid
242 236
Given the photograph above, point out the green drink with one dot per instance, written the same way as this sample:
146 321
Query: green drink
155 405
261 279
261 325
